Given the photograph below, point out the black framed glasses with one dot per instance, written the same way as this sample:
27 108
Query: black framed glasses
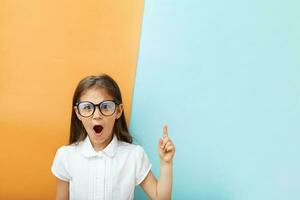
87 108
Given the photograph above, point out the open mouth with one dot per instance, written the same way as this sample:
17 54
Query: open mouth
98 129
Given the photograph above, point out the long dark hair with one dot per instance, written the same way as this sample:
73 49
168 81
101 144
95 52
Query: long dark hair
77 130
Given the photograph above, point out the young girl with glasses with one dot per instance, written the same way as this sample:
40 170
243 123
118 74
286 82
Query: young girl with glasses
100 161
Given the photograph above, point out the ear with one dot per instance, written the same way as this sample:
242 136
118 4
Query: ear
77 114
119 111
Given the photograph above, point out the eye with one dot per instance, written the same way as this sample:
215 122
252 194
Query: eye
107 105
86 106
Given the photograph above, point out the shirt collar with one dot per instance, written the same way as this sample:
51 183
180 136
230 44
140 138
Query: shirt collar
88 151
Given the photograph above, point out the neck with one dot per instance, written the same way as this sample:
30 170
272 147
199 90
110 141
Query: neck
100 146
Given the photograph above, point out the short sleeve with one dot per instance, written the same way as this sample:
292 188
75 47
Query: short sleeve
59 166
143 165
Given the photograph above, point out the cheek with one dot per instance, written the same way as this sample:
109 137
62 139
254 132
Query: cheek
86 123
111 121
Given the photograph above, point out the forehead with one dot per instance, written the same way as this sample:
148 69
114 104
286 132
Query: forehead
95 95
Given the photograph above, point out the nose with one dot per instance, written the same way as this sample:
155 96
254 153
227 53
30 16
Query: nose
97 114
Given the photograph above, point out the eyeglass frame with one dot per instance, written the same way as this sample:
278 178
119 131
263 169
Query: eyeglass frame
117 103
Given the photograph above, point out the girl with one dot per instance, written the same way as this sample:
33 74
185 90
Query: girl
101 162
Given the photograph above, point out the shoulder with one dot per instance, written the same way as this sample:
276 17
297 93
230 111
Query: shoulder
138 159
124 146
132 149
60 165
66 150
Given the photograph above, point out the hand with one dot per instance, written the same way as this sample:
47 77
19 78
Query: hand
166 148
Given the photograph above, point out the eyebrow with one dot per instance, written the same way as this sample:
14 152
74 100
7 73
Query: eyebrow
96 103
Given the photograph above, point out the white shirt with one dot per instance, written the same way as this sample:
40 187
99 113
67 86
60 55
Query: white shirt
110 174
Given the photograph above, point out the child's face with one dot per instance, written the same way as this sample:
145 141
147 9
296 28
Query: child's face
98 126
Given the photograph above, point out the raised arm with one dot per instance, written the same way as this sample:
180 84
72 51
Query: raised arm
161 189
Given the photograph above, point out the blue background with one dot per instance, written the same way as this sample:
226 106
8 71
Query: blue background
225 76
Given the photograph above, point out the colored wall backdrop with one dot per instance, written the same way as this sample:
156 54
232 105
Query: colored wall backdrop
225 76
46 47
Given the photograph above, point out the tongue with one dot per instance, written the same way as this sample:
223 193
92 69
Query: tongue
98 128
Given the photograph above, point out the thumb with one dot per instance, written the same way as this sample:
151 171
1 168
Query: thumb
160 142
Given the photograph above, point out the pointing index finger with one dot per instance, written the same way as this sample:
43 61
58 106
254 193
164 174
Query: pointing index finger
165 131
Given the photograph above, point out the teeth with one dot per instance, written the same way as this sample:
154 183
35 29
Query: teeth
98 128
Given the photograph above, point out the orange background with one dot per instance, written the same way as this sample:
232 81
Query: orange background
46 47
